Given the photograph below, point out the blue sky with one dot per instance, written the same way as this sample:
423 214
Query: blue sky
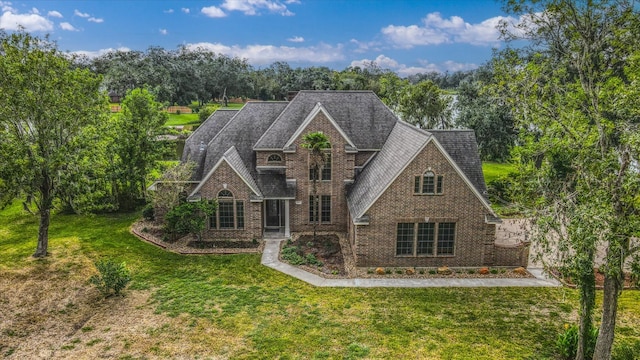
405 36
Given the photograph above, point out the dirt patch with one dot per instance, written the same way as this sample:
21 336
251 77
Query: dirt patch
49 311
629 281
324 248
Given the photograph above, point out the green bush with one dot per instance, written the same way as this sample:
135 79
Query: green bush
312 260
112 278
627 351
206 111
290 254
567 342
148 213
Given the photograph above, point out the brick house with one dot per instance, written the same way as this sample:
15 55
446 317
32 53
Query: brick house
404 196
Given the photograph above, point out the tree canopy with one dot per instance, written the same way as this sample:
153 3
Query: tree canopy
47 105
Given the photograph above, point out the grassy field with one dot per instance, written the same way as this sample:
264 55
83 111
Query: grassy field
192 119
494 170
232 307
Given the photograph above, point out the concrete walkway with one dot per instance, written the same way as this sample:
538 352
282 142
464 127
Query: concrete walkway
272 250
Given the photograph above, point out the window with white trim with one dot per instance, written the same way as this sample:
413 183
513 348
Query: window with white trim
425 239
274 158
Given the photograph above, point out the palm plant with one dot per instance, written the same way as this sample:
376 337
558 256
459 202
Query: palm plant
317 143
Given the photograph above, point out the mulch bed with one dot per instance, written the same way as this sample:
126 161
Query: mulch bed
326 248
227 244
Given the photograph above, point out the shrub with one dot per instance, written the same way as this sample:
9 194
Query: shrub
149 213
312 260
626 351
112 278
290 254
494 271
178 112
206 111
567 342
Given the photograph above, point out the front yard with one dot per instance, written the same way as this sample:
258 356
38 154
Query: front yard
229 306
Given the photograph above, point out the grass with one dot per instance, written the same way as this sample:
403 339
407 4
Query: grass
493 170
182 119
230 306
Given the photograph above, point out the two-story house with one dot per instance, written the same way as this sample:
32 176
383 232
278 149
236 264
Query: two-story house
404 196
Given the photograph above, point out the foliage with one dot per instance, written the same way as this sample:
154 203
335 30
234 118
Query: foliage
48 106
290 255
113 277
171 187
487 114
567 342
135 148
317 143
148 213
206 111
571 96
626 351
425 105
190 217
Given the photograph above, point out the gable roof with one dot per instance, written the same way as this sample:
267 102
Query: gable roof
232 157
403 144
316 110
361 115
201 137
461 145
242 131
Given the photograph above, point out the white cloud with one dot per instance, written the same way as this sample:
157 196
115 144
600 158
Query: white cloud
252 7
365 46
35 11
6 6
385 62
213 12
54 14
31 22
296 39
168 11
186 10
95 20
76 12
163 31
436 30
95 54
68 27
266 54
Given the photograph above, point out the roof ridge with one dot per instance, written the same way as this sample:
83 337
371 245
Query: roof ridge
200 127
415 128
272 124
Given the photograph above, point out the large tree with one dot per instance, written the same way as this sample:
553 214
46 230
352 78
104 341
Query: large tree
136 147
571 94
47 102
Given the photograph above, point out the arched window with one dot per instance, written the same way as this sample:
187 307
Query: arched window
274 158
428 183
230 214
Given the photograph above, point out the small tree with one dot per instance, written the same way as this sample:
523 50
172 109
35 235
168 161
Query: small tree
190 217
169 187
206 111
317 143
113 277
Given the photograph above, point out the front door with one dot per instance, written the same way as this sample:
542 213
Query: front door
274 215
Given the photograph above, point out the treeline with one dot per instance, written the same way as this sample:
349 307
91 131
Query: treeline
183 75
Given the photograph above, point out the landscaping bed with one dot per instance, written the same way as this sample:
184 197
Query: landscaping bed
629 281
227 244
322 254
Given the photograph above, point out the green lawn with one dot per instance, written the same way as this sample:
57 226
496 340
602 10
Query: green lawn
182 119
493 170
229 306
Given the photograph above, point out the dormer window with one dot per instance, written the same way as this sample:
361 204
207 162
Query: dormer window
274 158
428 184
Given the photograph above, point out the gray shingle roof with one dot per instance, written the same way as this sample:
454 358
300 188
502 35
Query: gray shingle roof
404 142
360 114
242 131
233 158
203 134
274 186
462 147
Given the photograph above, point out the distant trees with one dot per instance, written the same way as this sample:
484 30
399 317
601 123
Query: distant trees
48 108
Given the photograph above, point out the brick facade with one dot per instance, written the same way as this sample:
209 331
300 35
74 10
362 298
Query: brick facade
224 174
375 244
342 167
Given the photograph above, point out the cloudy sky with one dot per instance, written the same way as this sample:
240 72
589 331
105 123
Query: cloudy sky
405 36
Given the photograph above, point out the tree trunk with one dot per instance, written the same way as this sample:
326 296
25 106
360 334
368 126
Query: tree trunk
612 290
315 201
587 287
43 233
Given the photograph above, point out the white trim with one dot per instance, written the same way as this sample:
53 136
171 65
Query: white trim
316 110
449 159
215 167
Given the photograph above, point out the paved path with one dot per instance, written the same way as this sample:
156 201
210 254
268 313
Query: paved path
272 250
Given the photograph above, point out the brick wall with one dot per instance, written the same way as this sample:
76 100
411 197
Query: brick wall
375 244
224 174
512 255
342 165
